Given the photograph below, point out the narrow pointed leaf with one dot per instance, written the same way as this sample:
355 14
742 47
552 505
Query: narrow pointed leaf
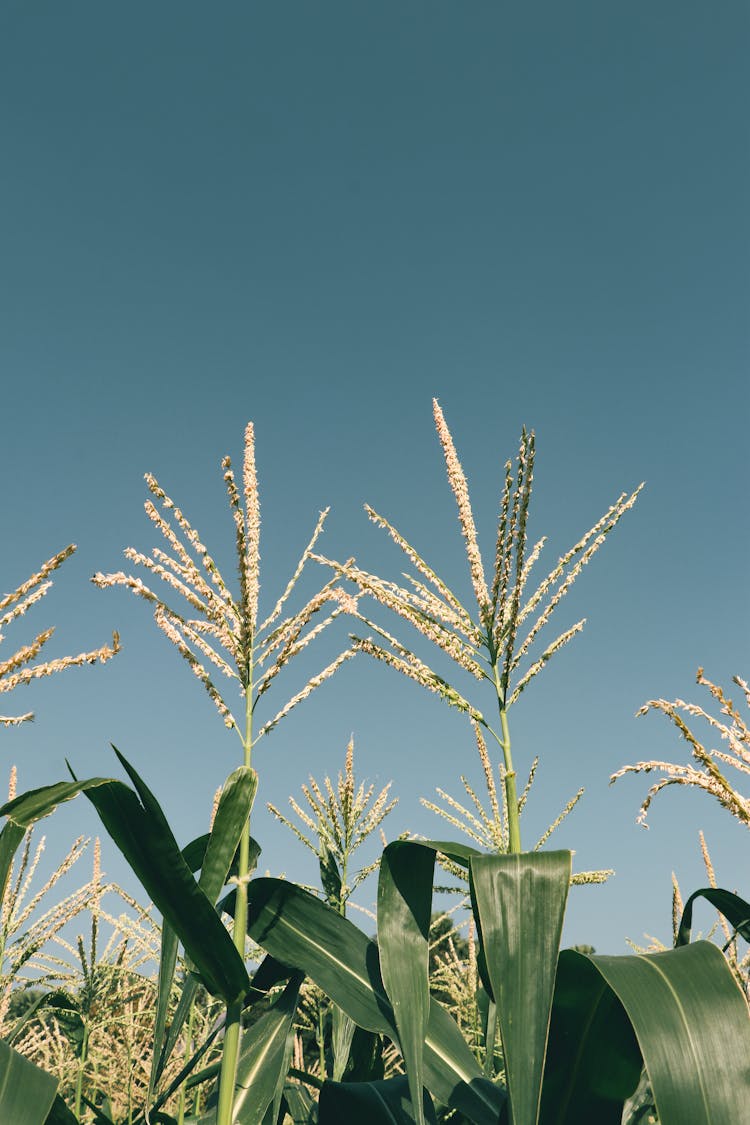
264 1058
693 1030
372 1103
232 814
735 910
27 1093
342 1034
404 904
10 839
520 903
141 832
304 932
593 1059
27 808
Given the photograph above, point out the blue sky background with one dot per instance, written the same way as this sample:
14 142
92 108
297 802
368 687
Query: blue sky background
318 216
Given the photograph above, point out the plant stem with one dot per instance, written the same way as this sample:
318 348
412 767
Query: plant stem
233 1025
81 1066
514 820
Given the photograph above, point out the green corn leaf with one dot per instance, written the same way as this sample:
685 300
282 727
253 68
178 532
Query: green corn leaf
520 903
263 1061
693 1030
404 904
33 805
342 1034
10 839
735 910
27 1093
232 814
299 929
593 1059
300 1104
372 1103
140 830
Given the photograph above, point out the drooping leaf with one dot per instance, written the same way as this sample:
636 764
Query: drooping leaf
735 910
304 932
693 1029
520 903
404 905
593 1060
140 830
372 1103
27 1093
142 833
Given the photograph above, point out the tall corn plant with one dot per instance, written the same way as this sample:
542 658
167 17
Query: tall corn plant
209 625
498 641
224 629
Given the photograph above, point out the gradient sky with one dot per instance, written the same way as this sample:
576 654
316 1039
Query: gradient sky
319 216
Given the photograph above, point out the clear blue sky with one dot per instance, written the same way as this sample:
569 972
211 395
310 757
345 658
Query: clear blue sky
318 216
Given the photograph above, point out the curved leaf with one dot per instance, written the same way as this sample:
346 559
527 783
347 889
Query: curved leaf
27 1093
693 1030
303 931
735 910
143 835
593 1060
404 903
371 1103
520 903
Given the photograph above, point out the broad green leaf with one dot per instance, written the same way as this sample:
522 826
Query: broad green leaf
593 1059
735 910
693 1030
372 1103
263 1061
304 932
27 1093
404 904
520 903
264 1058
141 832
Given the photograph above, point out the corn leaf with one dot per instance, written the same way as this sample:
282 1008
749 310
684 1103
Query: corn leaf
299 929
519 902
371 1103
693 1029
27 1093
593 1059
735 910
404 903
